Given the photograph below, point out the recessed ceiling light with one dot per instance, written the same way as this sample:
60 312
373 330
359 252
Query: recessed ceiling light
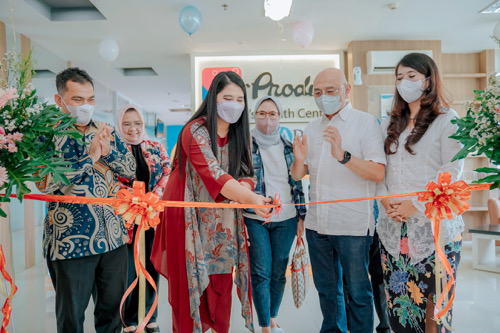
139 71
63 10
492 8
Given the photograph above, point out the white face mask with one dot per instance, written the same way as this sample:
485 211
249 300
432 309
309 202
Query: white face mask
83 113
230 111
410 91
329 104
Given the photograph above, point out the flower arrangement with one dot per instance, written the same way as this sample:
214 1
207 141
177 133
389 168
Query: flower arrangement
27 127
479 130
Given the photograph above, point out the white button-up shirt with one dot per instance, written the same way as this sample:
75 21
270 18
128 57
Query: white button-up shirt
330 180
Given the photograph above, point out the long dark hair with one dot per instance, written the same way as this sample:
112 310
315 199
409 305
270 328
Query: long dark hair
430 104
240 154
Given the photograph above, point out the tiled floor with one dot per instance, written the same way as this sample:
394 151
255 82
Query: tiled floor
476 309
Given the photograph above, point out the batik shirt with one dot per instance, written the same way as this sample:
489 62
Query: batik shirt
76 230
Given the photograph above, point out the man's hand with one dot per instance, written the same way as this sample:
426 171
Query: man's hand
104 133
95 149
332 135
300 148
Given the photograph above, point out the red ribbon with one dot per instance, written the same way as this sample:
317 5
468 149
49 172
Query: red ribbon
142 209
7 308
444 199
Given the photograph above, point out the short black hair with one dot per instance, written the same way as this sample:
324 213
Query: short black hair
74 74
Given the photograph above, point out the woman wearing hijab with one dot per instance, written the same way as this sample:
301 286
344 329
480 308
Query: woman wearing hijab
153 168
270 243
196 248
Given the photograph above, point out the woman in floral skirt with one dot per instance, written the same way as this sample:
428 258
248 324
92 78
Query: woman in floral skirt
418 148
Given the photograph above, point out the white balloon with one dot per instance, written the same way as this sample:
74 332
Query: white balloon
109 49
496 30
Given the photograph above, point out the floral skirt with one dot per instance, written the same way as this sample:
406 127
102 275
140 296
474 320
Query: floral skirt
408 286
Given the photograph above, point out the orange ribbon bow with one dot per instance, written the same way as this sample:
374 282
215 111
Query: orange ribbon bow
138 205
142 209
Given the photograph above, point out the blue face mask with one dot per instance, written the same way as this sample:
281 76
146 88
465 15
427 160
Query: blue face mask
230 111
329 104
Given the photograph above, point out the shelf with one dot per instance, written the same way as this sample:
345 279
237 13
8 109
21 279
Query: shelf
477 209
464 76
460 102
477 156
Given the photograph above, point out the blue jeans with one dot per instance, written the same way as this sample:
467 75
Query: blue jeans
332 256
270 245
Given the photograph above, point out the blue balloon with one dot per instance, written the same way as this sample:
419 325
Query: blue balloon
190 19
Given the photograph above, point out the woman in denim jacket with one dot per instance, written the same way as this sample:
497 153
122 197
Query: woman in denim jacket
270 243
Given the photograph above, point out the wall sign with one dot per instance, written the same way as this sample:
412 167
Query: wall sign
289 78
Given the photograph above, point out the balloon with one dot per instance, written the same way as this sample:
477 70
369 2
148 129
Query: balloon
303 33
109 49
190 19
496 31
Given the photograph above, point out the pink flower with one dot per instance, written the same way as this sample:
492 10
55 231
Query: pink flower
497 110
12 148
2 131
5 96
404 246
17 136
3 176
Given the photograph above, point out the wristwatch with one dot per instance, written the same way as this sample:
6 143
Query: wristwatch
347 157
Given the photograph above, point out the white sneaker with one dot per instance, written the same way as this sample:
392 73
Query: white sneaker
277 330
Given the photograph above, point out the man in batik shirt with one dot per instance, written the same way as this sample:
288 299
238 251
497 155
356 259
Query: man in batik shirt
85 244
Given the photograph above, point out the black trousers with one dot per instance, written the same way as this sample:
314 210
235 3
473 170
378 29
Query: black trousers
74 280
377 280
130 316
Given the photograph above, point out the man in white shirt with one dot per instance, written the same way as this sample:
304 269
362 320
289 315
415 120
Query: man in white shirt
344 154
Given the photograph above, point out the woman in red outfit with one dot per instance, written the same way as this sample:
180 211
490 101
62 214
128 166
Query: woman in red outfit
197 249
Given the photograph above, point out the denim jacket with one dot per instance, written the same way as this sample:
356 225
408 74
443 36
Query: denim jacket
295 187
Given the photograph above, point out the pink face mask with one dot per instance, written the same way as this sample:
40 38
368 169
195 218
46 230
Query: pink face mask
267 125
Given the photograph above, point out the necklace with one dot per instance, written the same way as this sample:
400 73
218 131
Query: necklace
412 118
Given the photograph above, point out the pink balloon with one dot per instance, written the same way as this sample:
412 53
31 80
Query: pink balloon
303 33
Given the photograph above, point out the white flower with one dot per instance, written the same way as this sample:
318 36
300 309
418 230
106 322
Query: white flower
3 176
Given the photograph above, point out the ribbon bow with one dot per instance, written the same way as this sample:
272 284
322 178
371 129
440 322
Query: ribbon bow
142 209
138 207
444 199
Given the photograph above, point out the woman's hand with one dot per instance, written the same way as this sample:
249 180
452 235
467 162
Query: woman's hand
401 210
262 212
386 202
300 228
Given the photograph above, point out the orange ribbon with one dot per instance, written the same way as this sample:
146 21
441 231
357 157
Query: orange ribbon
7 308
444 199
142 209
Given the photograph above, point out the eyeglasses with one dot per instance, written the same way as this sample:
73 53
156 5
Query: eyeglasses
329 92
271 114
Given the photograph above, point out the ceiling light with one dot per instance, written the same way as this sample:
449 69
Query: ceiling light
277 9
492 8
